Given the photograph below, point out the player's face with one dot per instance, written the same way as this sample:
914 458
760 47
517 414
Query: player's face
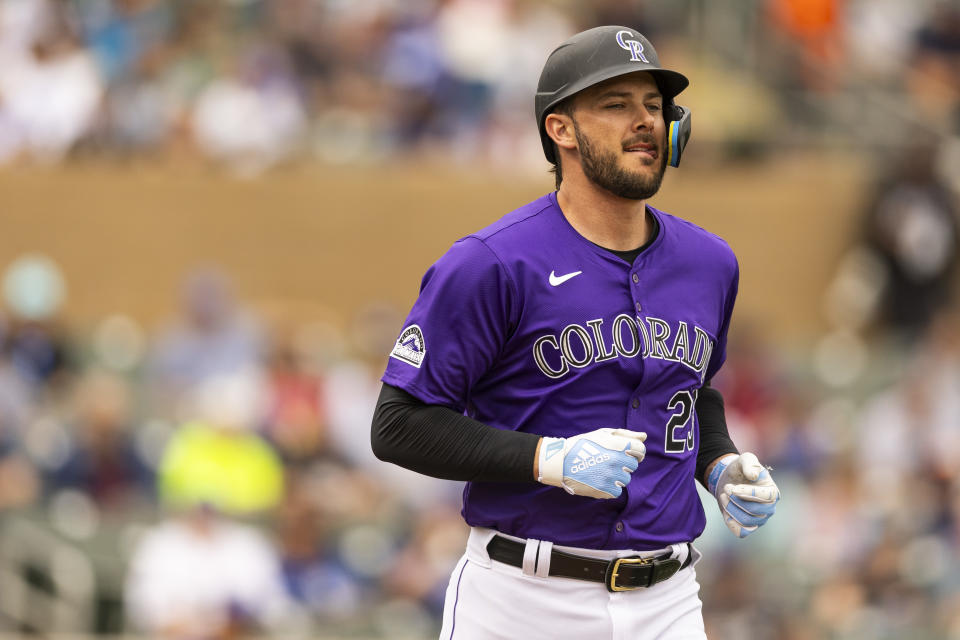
621 135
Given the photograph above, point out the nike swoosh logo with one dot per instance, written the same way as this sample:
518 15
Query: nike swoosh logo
556 280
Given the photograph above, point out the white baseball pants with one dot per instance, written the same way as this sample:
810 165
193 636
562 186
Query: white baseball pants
488 600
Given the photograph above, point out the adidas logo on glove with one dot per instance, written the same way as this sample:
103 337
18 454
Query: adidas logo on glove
583 464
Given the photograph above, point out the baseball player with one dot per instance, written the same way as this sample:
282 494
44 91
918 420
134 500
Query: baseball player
559 361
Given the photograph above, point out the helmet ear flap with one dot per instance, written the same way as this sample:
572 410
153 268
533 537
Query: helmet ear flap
678 131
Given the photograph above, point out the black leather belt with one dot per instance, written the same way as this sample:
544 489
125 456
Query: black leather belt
619 574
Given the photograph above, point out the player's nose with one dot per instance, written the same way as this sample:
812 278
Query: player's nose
643 120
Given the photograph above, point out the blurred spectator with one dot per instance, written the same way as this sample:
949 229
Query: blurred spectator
312 573
217 459
754 382
416 71
532 31
23 22
37 351
296 422
19 481
934 73
124 35
251 118
304 29
811 35
753 385
138 114
102 460
839 534
200 576
421 570
474 41
352 386
911 226
16 402
789 441
909 429
881 25
34 290
212 337
50 92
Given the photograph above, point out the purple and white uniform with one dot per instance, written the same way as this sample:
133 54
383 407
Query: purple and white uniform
526 325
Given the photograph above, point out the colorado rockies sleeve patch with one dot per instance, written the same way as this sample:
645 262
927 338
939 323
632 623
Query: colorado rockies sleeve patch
410 346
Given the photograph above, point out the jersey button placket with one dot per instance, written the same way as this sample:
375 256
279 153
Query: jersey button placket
636 291
635 401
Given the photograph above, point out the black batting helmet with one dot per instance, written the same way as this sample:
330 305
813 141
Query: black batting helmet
601 53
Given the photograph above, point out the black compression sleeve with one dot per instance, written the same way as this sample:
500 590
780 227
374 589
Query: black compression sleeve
714 439
439 442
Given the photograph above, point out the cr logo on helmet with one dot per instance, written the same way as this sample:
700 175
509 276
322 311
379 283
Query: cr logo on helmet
635 47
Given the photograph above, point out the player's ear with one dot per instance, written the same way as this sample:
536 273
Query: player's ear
560 129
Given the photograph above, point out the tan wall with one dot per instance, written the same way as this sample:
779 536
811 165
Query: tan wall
307 238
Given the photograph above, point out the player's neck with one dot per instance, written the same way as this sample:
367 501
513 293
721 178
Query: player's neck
602 218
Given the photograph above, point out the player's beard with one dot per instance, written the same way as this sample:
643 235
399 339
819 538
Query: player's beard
604 170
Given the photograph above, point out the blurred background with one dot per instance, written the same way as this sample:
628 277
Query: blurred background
214 215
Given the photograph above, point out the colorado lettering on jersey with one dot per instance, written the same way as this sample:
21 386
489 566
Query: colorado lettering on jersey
580 346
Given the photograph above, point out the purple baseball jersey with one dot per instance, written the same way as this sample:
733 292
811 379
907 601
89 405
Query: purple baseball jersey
527 325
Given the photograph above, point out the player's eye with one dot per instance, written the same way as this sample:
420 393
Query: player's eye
653 108
615 105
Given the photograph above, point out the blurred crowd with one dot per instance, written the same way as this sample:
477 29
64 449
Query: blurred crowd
213 476
867 538
251 84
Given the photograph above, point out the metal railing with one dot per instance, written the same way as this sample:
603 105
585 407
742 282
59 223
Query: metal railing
47 585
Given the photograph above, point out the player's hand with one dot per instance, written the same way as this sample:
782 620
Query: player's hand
597 464
747 494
